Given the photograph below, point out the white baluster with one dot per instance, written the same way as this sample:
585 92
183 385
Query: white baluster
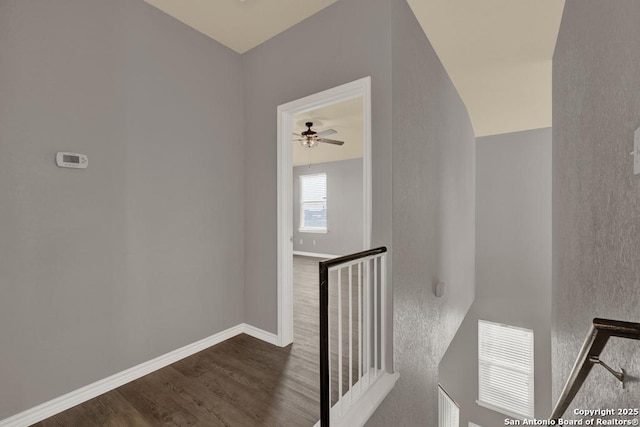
375 315
383 310
350 335
340 341
367 306
360 328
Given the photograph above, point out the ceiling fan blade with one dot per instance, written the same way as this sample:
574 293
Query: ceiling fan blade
327 132
331 141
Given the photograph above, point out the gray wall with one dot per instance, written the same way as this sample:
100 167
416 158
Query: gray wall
433 220
344 209
142 252
596 197
433 177
342 43
513 217
513 265
157 229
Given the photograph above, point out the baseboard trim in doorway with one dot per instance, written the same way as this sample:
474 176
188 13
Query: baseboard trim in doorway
314 255
81 395
260 334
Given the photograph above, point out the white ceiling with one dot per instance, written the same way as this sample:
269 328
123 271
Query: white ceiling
240 24
344 117
497 52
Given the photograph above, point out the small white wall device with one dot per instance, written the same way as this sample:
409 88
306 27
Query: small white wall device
438 289
72 160
636 152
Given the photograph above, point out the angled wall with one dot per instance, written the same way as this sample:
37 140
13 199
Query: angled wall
596 197
513 265
433 220
141 253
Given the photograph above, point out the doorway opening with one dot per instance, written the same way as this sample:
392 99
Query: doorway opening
310 170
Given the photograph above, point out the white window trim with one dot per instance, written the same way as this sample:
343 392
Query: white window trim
315 230
500 409
446 402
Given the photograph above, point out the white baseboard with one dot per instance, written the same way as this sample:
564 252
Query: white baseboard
76 397
315 255
260 334
366 405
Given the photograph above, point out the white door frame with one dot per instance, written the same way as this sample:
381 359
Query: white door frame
358 88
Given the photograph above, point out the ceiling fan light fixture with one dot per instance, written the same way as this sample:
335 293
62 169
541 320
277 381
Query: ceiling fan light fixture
311 138
309 142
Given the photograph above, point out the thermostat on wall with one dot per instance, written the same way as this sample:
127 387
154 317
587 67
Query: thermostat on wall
72 160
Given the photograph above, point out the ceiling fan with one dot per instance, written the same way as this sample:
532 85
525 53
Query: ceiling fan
310 138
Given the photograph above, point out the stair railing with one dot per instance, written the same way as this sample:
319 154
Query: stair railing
353 333
600 332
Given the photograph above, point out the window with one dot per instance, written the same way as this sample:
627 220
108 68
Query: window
505 369
448 410
313 203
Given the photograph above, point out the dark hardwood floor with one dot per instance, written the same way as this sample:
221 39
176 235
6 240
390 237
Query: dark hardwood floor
240 382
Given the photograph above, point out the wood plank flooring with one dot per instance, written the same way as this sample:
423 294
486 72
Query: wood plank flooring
240 382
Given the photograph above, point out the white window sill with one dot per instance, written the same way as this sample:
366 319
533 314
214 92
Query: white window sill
313 230
503 411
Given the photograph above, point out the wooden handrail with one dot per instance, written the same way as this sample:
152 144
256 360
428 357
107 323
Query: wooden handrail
599 333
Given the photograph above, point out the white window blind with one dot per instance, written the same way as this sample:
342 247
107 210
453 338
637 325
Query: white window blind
313 203
505 368
448 410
